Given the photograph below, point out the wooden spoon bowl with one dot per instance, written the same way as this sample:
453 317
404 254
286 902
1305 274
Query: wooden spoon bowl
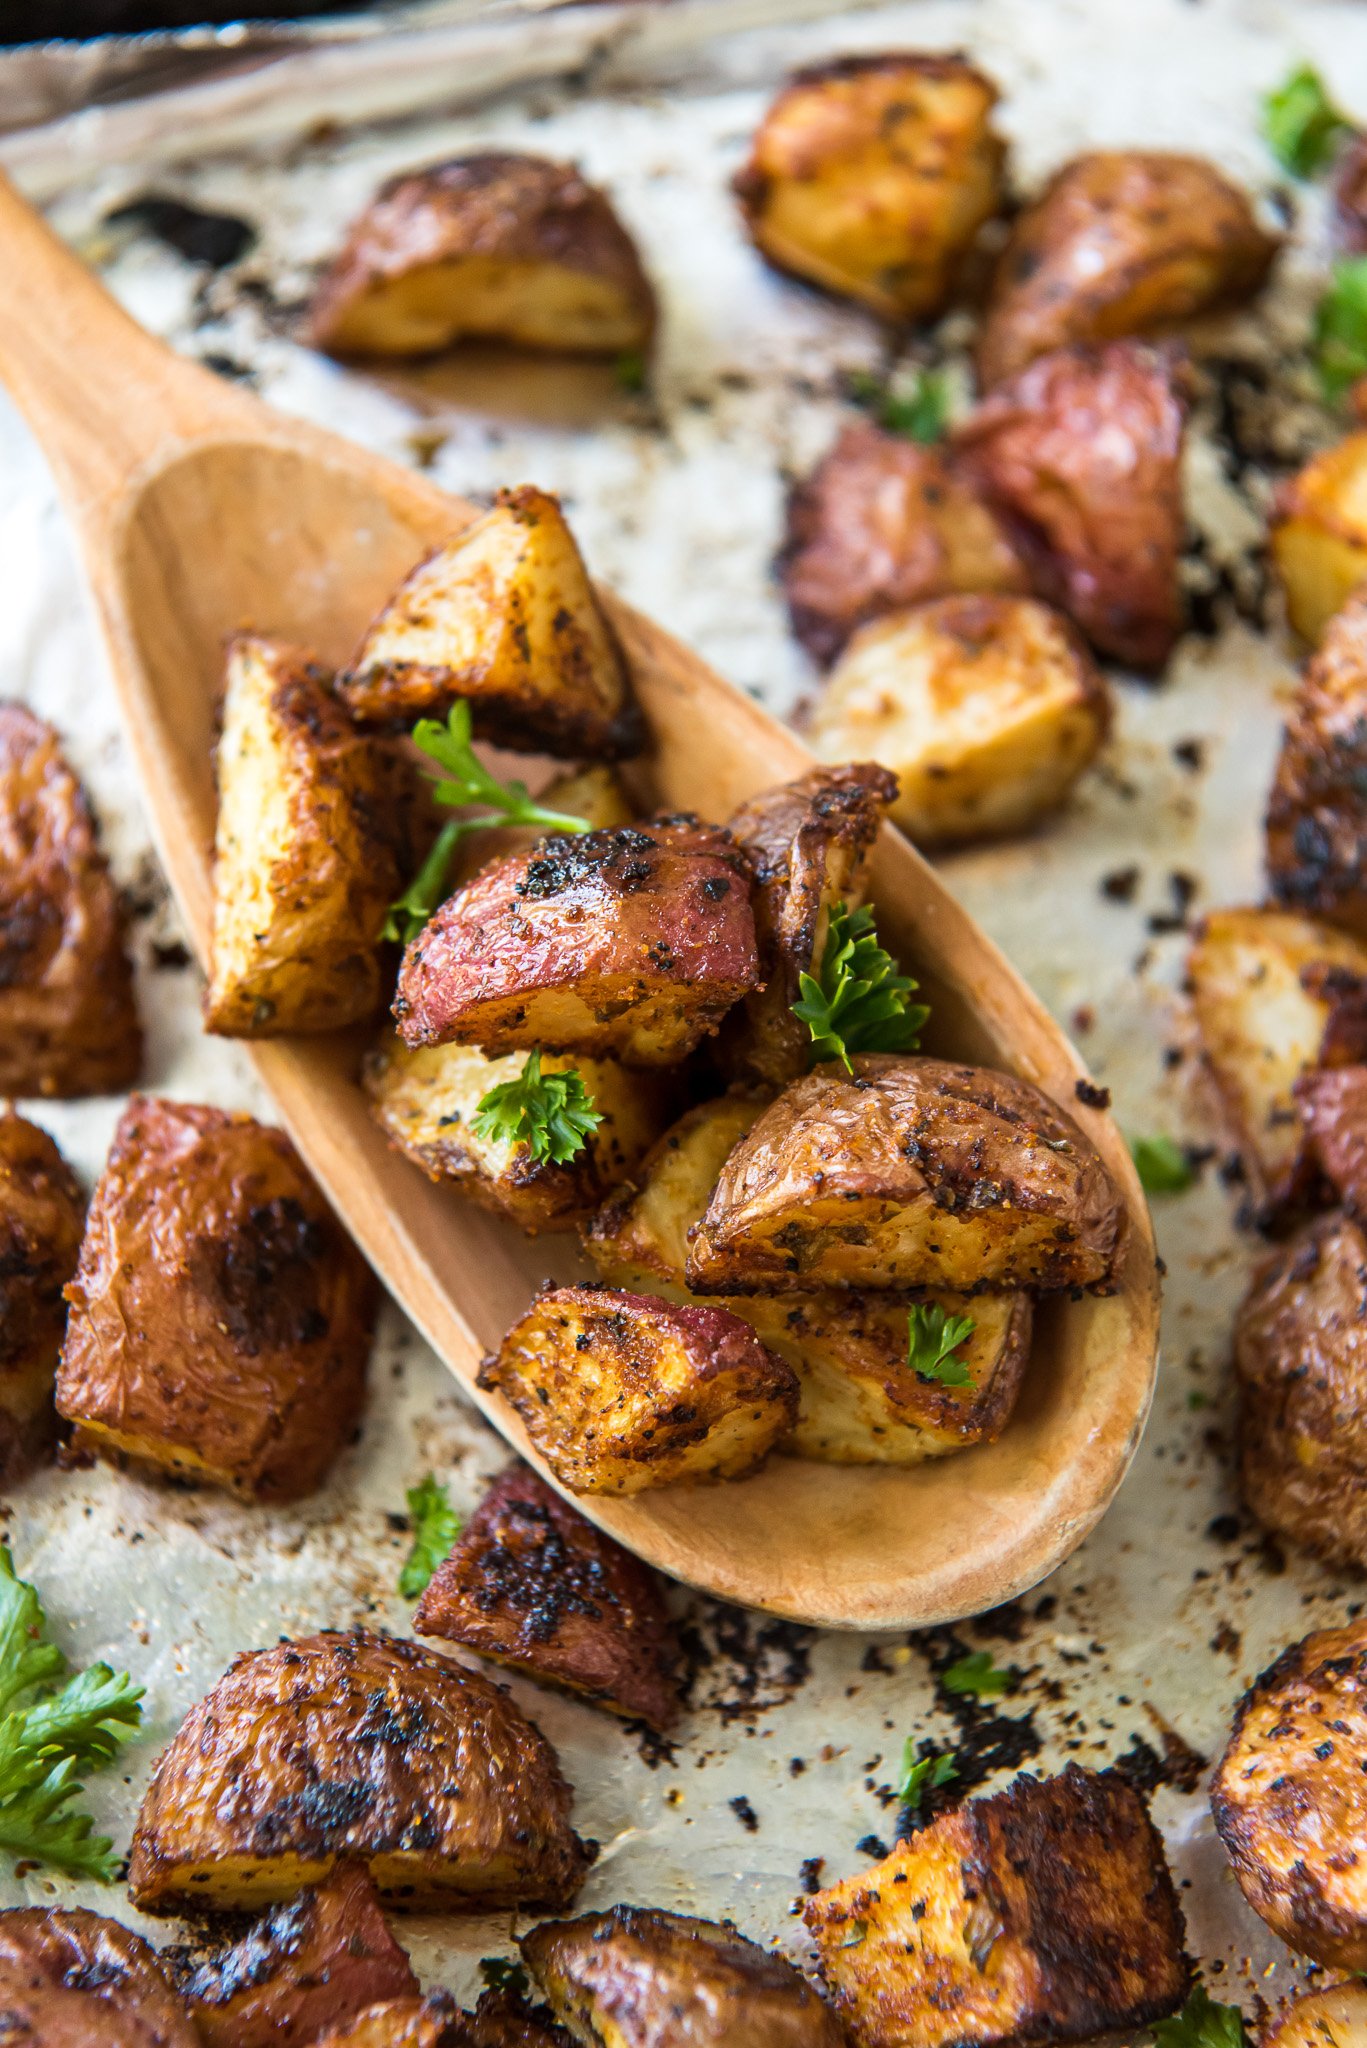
201 513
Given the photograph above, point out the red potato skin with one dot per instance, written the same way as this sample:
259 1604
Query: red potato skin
1333 1106
72 1979
42 1211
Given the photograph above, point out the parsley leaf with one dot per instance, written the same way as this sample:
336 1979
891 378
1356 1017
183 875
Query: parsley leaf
503 1973
552 1114
922 1774
920 413
629 370
1202 2023
932 1340
977 1676
1301 125
1341 329
860 1002
1162 1166
436 1526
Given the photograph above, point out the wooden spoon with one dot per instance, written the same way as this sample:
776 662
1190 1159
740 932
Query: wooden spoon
202 512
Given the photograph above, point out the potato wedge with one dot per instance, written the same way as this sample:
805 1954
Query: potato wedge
219 1320
72 1979
987 709
432 2022
1333 1107
1317 812
619 1391
871 175
42 1214
356 1747
1317 534
1333 2018
499 246
68 1021
629 945
505 618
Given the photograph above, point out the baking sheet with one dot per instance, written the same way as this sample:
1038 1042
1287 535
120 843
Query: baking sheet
1139 1646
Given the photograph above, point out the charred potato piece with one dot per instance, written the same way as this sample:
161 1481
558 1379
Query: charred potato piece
619 1392
432 2022
73 1979
1081 456
1333 1107
356 1747
986 708
630 945
42 1212
496 246
1318 535
534 1586
1123 241
1046 1913
219 1319
68 1022
871 176
636 1978
1333 2018
910 1173
1317 814
1290 1797
880 524
504 618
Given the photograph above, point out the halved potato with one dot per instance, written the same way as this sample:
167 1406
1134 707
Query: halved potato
1333 2018
504 617
986 708
1317 813
1318 535
73 1979
42 1214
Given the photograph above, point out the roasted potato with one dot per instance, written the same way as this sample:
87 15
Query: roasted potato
909 1173
987 709
1317 813
534 1586
432 2022
1290 1798
882 523
1046 1913
68 1021
355 1747
630 945
219 1320
637 1978
72 1979
619 1392
496 246
1318 535
42 1212
1120 241
1333 2018
1333 1107
1300 1353
1350 198
504 2020
871 176
505 619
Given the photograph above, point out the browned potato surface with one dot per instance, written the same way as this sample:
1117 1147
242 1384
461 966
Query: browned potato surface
68 1023
499 246
1317 813
434 2022
1045 1913
1318 535
72 1979
619 1392
1333 1107
533 1585
220 1320
1333 2018
503 2020
637 1978
630 945
1290 1796
357 1747
505 618
1121 241
871 176
42 1212
986 708
909 1173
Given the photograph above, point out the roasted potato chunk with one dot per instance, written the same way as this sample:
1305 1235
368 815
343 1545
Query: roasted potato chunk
619 1392
1318 535
910 1173
880 524
68 1021
634 1978
504 618
1317 813
1120 241
498 246
987 709
1333 2018
219 1319
1046 1913
1333 1107
871 176
42 1212
534 1586
72 1979
355 1747
630 945
1290 1797
433 2022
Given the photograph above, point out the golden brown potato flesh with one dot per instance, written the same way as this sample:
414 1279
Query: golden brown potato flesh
882 523
914 1173
1290 1796
531 1584
637 1978
871 176
72 1979
219 1319
1121 241
355 1747
620 1391
1046 1913
630 945
42 1212
1318 535
1333 2018
1333 1107
496 246
68 1022
504 618
1081 456
987 709
1317 813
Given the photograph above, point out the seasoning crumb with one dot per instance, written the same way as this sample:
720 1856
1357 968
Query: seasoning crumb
1093 1096
872 1846
810 1874
745 1813
1120 884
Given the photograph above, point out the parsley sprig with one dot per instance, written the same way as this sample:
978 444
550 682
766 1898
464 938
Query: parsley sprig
1162 1166
860 1003
1301 125
551 1114
922 1774
1341 329
435 1525
1202 2023
977 1677
933 1338
919 412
